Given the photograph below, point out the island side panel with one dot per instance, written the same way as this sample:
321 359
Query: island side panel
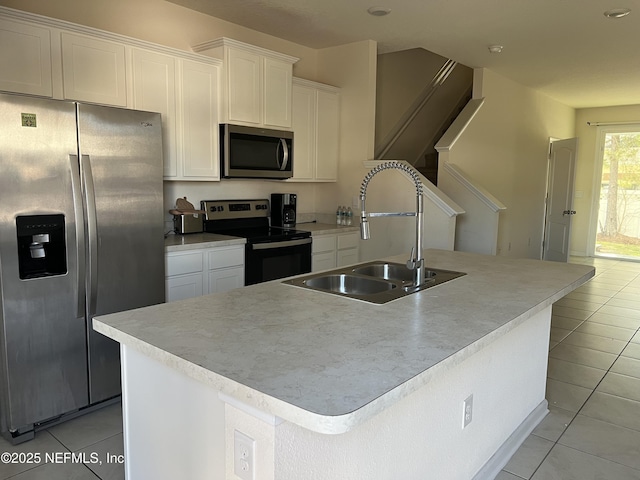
422 436
173 424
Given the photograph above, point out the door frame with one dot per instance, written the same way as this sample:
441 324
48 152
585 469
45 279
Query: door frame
596 187
543 245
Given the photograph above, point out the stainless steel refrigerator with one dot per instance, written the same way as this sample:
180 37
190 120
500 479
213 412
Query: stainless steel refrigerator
81 234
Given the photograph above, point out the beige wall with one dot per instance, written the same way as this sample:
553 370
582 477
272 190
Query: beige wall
584 201
505 149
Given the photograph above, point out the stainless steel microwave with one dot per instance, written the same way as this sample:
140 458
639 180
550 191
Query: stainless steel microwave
250 152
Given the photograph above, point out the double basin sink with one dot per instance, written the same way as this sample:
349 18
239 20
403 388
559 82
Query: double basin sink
376 282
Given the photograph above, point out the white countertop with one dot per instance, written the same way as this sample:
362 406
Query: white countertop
329 363
193 241
326 228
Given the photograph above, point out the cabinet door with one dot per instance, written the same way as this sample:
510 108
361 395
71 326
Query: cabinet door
304 131
25 59
225 279
244 86
93 70
323 261
184 286
278 77
347 257
154 90
328 133
200 94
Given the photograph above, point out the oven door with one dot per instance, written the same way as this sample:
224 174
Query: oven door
272 260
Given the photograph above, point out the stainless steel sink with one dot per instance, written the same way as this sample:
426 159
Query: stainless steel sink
391 271
349 284
376 282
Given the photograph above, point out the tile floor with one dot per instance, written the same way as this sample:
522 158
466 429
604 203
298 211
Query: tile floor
95 438
591 433
593 384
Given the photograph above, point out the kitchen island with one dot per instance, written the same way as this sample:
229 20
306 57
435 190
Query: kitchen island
334 388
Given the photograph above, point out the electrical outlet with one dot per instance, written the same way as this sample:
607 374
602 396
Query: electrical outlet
244 452
467 411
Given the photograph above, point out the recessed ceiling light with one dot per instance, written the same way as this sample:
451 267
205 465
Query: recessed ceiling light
378 11
495 48
617 12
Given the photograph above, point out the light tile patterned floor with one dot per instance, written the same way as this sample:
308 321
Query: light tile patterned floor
591 433
593 386
96 438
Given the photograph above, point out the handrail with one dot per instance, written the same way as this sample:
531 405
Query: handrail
414 109
483 195
459 125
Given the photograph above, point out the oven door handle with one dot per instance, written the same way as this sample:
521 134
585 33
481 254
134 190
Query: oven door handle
286 243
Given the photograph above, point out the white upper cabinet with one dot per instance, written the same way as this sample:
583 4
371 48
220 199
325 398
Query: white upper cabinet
186 93
25 58
328 135
257 83
316 127
244 86
199 111
277 92
93 70
154 90
304 131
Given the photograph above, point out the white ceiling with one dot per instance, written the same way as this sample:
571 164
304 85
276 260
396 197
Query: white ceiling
564 48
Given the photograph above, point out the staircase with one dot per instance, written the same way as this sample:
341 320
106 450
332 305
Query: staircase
419 96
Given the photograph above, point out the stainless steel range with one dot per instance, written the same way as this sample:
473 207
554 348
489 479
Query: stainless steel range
270 252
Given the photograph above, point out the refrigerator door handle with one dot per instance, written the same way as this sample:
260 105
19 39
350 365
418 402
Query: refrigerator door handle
92 234
79 221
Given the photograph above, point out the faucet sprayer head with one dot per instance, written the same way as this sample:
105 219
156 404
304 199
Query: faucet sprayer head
364 228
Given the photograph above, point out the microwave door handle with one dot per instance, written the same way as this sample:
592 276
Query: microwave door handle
285 154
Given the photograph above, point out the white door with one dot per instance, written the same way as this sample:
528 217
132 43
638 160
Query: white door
557 232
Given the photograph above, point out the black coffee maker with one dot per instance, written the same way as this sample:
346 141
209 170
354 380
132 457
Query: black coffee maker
283 210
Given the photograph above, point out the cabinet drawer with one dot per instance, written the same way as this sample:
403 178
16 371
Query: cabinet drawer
182 263
349 240
323 243
223 257
183 287
323 261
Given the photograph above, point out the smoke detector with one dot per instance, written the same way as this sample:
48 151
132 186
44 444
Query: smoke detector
495 48
617 13
378 11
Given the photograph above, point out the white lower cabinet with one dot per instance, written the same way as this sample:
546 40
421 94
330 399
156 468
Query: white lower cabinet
226 268
334 250
198 272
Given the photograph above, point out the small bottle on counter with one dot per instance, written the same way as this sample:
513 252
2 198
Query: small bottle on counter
349 216
338 216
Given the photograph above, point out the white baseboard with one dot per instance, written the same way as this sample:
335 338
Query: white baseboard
494 465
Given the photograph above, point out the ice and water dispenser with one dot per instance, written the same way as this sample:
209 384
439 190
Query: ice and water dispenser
41 246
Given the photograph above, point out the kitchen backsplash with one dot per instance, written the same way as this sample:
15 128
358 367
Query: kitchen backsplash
243 189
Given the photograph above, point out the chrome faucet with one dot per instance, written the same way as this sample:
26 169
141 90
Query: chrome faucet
416 261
